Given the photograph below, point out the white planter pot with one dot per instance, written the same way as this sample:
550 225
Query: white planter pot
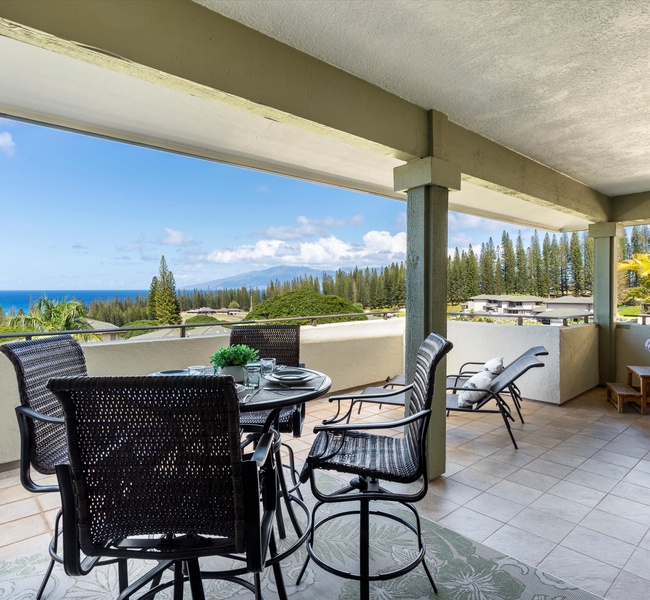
237 373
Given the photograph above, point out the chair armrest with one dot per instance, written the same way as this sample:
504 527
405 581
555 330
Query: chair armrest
370 426
369 397
264 446
462 367
30 413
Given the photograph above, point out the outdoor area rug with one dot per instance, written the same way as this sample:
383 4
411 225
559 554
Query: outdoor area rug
462 568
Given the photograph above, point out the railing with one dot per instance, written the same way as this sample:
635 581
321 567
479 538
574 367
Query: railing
183 327
584 317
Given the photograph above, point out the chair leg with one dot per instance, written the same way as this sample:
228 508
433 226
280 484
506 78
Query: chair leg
277 572
46 578
196 583
364 549
506 416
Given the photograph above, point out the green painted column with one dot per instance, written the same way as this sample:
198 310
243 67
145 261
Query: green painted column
605 283
427 182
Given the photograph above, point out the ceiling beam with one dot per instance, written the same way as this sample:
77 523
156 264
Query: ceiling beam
631 209
186 47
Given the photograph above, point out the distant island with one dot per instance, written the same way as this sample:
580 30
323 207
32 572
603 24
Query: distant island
260 279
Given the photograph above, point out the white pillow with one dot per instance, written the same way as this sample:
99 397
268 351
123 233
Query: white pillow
480 381
494 365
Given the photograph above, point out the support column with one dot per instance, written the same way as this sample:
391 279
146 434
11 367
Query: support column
427 182
606 245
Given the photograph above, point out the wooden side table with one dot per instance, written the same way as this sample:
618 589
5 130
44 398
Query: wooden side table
643 374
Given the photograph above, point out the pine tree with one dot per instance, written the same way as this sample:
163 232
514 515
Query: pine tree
536 267
546 266
151 298
576 265
589 263
167 308
498 274
509 265
521 268
455 280
563 264
471 275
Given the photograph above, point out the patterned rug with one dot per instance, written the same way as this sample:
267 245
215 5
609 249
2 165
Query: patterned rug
463 570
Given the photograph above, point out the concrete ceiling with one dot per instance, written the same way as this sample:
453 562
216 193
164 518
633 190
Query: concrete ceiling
565 83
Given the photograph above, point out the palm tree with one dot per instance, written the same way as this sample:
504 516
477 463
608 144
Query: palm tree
52 315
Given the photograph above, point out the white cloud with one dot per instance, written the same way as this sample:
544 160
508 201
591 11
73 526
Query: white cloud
311 227
132 246
378 248
173 237
7 144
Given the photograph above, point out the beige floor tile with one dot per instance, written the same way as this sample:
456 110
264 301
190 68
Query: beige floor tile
515 492
15 531
628 587
638 563
494 506
533 480
526 546
591 480
615 526
599 546
547 526
550 468
471 524
577 493
637 493
13 511
453 490
588 573
495 467
475 478
562 508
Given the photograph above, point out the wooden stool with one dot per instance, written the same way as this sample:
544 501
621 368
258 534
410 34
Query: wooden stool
619 393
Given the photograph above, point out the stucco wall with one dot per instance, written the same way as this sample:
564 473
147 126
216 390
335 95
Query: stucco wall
630 348
353 354
571 365
358 354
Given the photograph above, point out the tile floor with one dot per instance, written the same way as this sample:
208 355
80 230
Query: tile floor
574 500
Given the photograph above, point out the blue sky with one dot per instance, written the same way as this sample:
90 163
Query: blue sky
84 213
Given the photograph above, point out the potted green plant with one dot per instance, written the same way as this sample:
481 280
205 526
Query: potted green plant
231 360
639 264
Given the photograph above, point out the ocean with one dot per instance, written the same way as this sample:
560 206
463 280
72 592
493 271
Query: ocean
14 300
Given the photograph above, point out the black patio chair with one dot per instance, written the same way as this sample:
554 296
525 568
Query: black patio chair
361 451
156 472
40 416
281 342
501 383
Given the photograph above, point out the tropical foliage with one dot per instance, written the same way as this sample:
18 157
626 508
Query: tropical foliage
53 315
639 264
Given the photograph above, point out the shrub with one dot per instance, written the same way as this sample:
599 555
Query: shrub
142 323
304 303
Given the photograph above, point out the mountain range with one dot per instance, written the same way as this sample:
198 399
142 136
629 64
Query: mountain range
260 279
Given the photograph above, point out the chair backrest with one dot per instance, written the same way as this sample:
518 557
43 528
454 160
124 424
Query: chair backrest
513 372
35 362
534 351
429 355
281 342
154 455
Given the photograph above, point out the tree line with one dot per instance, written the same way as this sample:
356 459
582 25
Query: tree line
555 265
550 266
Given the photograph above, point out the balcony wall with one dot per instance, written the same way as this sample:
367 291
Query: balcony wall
358 354
571 365
630 347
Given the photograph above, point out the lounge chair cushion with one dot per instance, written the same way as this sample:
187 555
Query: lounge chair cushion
494 365
475 386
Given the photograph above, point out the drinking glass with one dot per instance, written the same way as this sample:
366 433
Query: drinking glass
251 377
268 366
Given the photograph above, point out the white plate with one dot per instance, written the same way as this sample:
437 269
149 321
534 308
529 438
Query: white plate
290 377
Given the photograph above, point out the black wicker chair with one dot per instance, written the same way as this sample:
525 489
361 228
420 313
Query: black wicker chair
40 416
371 458
281 342
156 472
